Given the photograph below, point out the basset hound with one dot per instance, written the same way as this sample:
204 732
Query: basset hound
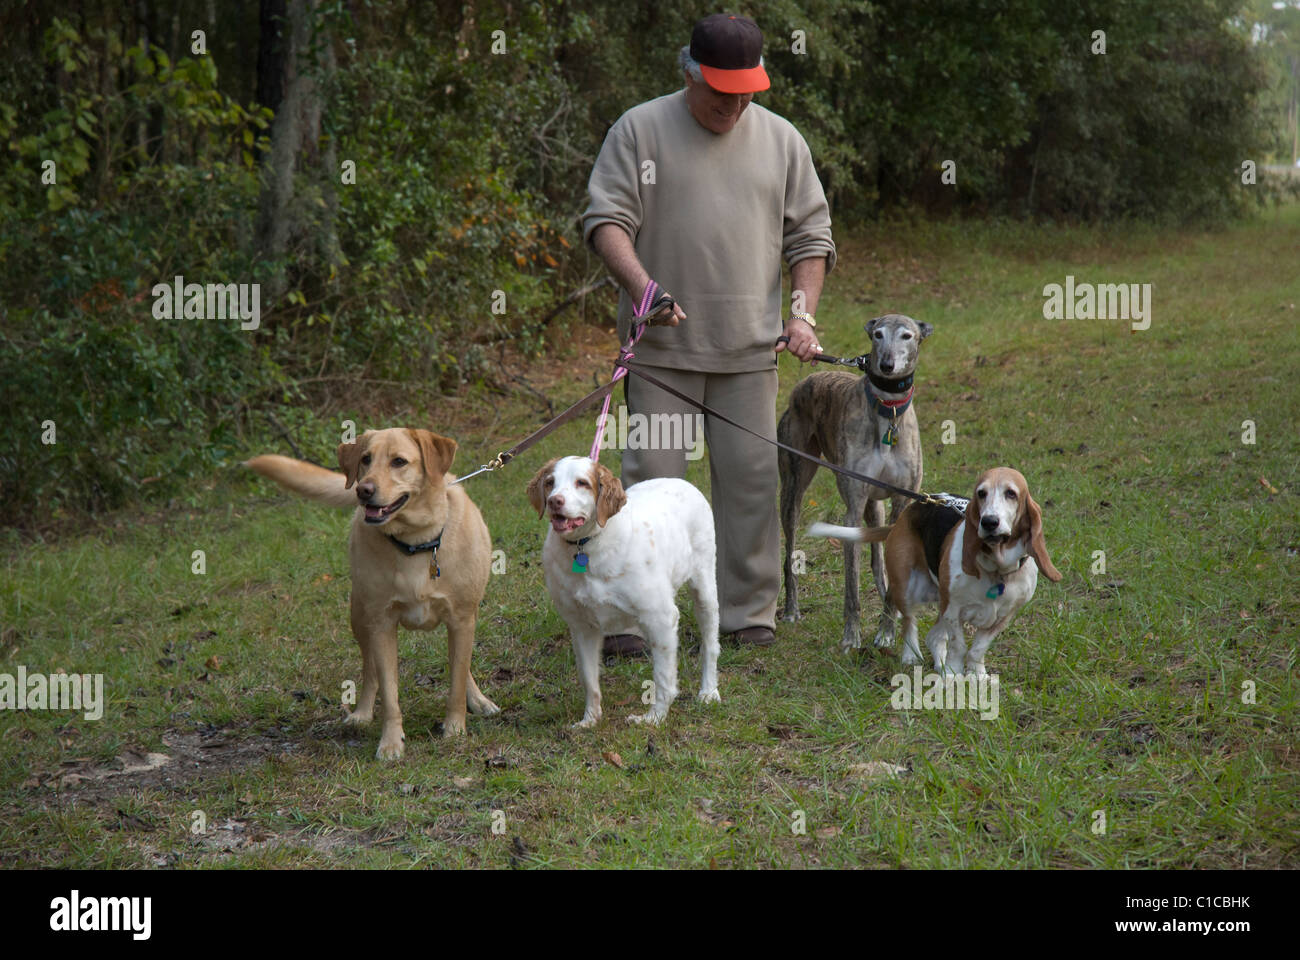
979 559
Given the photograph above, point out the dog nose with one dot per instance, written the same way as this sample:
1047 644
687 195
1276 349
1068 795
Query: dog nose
886 366
555 501
989 523
365 492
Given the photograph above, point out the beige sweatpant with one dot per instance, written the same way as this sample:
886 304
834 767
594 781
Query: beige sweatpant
743 480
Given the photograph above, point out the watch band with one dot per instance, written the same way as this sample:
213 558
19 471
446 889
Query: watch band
807 318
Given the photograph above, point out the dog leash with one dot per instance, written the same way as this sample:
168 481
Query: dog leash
651 303
660 302
622 367
851 474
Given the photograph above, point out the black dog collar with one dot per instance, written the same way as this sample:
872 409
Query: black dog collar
900 385
431 546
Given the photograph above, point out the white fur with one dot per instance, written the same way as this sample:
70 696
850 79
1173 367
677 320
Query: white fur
968 602
661 539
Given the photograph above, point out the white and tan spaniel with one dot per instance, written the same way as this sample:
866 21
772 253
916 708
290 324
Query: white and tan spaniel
979 559
614 561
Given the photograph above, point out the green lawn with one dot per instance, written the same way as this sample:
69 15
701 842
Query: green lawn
1122 692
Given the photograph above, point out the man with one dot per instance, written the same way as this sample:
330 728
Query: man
704 192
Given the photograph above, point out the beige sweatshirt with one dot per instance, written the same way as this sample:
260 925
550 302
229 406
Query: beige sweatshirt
711 216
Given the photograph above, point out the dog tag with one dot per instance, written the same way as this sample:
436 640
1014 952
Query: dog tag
891 436
580 563
995 592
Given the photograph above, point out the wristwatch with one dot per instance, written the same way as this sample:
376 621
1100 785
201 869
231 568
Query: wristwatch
807 318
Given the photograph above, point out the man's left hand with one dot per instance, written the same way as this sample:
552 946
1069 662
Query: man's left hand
803 339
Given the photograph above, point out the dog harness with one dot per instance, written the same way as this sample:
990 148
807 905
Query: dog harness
411 549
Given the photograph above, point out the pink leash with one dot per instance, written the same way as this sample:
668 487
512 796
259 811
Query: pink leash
624 354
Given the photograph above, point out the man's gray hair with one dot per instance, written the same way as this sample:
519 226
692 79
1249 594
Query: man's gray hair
690 64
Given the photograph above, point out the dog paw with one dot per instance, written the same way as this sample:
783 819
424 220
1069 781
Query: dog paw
484 708
792 616
709 696
585 723
652 718
357 718
884 639
453 727
910 658
391 748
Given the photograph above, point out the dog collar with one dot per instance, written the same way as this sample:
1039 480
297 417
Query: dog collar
580 558
1000 579
885 383
411 549
890 410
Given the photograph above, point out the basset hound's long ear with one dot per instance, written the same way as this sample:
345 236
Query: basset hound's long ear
436 452
536 491
609 494
350 455
1036 545
971 542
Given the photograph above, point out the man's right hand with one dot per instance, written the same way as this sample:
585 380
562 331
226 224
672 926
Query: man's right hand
667 317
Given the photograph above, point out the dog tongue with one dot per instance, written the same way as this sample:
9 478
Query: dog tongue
374 513
565 524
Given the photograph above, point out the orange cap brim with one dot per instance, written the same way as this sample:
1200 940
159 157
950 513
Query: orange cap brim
736 81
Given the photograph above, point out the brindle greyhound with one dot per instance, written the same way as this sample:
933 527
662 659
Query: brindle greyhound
868 425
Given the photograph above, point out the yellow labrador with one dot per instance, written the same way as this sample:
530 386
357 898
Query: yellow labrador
421 556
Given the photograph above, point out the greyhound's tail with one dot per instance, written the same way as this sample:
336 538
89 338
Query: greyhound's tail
860 534
313 482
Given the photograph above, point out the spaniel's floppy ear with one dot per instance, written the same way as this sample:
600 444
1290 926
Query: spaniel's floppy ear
609 496
971 542
436 452
1036 545
350 455
536 494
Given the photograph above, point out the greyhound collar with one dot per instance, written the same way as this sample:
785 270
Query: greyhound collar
411 549
890 410
888 385
580 558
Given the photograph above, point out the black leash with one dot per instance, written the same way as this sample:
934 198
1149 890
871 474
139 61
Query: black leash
852 474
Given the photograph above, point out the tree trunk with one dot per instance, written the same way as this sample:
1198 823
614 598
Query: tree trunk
298 198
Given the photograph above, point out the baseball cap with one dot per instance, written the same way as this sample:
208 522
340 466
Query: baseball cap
729 50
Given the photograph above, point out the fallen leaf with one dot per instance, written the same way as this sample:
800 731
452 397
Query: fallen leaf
612 757
876 770
213 662
825 833
1267 486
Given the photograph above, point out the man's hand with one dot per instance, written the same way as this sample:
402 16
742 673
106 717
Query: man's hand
666 317
803 339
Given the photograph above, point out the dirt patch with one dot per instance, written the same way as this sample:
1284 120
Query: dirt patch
184 759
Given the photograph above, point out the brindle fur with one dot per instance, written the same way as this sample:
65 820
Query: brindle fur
829 416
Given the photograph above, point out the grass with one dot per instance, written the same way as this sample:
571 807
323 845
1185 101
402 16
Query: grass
1122 691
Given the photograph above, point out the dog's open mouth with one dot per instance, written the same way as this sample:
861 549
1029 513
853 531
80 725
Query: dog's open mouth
378 514
565 524
998 538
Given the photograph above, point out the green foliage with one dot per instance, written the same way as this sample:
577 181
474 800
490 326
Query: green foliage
471 165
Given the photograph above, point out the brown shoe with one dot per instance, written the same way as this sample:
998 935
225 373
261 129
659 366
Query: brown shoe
625 645
754 637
